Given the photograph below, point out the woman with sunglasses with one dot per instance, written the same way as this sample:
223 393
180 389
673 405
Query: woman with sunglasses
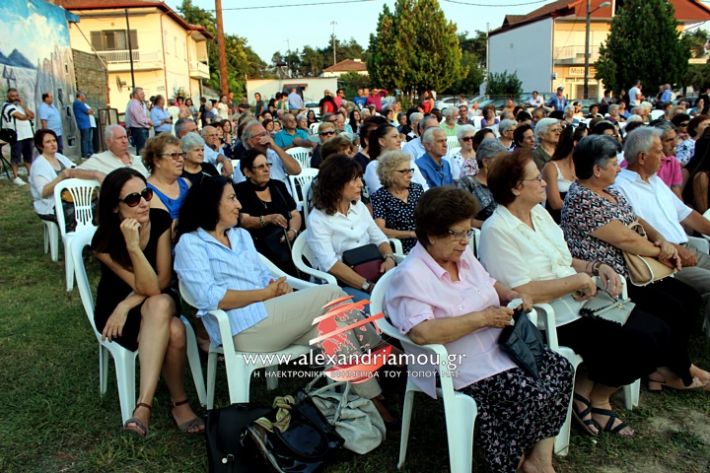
394 203
134 306
268 210
164 157
465 158
326 131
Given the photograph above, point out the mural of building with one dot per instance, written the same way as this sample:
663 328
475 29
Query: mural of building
36 57
167 55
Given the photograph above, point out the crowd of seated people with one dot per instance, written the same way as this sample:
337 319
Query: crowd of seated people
547 190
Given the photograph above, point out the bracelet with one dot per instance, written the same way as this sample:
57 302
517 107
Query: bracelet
595 267
261 220
389 255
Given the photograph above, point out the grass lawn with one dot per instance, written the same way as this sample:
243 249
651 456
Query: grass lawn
53 419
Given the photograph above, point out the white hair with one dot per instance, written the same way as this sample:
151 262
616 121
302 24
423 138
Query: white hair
428 136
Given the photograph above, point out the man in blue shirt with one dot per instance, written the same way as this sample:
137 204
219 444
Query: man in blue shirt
81 113
558 102
667 94
435 169
295 101
291 136
360 100
51 119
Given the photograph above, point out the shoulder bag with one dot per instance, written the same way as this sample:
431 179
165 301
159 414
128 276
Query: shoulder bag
644 270
606 307
365 260
523 342
8 135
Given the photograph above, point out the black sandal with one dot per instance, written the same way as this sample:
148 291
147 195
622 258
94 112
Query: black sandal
189 425
579 415
609 426
143 430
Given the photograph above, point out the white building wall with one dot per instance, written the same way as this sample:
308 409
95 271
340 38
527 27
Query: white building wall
526 50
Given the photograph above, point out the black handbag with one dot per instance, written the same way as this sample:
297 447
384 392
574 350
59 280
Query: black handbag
8 135
365 260
304 442
225 430
524 344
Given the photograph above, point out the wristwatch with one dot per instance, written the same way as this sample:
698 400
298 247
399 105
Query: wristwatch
366 286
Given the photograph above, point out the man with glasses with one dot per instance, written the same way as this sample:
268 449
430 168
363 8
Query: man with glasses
214 154
256 137
463 116
116 156
291 136
326 131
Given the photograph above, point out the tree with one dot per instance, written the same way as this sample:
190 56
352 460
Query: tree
242 61
415 48
504 85
644 43
312 61
473 59
696 42
352 81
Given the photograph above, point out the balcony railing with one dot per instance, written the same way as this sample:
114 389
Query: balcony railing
198 68
122 56
575 54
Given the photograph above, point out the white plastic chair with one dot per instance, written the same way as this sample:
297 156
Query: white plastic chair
240 365
475 238
302 155
124 360
81 191
51 239
546 322
299 251
459 409
314 128
298 184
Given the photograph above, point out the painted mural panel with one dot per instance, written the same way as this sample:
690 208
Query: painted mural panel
36 56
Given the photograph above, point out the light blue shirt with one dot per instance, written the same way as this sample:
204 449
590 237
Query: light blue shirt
284 138
207 269
157 115
435 174
51 115
295 102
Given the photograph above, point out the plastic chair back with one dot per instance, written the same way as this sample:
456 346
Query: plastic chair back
81 191
302 155
301 250
299 182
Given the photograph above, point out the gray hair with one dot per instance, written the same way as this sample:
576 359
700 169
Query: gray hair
451 111
180 125
415 117
665 127
108 131
428 136
135 91
301 116
463 129
634 118
388 162
593 150
247 132
191 141
639 141
613 108
206 129
489 149
543 126
505 124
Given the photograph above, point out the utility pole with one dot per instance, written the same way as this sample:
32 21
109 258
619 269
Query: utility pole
220 46
130 49
333 23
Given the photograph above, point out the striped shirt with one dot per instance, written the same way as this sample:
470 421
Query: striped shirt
208 269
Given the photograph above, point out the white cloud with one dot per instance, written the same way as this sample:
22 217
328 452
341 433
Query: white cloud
35 36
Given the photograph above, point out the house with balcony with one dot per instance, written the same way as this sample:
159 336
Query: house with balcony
143 43
546 46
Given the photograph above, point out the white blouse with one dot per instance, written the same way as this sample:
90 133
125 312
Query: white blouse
41 174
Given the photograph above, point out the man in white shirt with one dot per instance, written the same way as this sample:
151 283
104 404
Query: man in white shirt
116 156
536 100
635 94
16 117
283 164
215 156
653 201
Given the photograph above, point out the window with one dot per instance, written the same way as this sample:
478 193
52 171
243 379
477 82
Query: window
112 40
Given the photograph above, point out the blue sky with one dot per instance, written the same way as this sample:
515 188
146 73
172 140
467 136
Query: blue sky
275 29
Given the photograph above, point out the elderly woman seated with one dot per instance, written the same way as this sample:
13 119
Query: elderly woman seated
595 221
341 222
194 167
219 268
478 185
430 300
163 157
394 203
464 160
523 247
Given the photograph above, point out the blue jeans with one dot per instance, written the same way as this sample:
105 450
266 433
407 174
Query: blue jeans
87 142
60 145
140 136
358 294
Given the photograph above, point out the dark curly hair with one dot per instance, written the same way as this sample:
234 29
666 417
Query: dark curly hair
441 207
333 174
201 206
39 138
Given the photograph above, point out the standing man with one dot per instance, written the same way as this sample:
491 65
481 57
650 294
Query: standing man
81 114
16 117
375 98
536 100
558 102
635 96
360 100
436 170
137 119
295 101
339 96
50 118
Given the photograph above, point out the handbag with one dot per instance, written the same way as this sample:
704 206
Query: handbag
276 244
225 430
8 135
365 260
606 307
354 418
523 342
294 437
644 270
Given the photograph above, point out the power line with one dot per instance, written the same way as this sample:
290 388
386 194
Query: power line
296 5
498 5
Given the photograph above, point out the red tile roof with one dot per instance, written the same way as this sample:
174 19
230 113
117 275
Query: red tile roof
347 65
79 5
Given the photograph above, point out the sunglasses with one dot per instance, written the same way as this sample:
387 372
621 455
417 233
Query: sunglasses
173 156
326 133
467 138
133 199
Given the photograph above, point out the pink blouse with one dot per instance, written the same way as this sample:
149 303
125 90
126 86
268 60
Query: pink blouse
422 290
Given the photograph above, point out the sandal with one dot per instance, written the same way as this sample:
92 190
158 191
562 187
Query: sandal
586 423
140 429
193 426
609 426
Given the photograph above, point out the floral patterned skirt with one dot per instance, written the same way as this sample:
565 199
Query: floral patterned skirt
515 411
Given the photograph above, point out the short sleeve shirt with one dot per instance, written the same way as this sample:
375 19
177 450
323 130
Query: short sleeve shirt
398 215
583 213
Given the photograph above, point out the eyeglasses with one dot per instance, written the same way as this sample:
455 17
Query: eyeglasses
134 198
537 178
406 171
461 235
467 138
263 167
326 133
173 156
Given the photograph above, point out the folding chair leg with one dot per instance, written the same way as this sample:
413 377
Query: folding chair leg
193 358
460 419
45 237
125 365
103 369
68 266
211 375
631 394
406 423
562 439
53 235
239 383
